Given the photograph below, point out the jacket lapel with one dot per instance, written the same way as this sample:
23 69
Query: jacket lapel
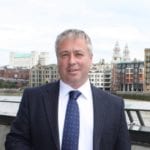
51 106
99 107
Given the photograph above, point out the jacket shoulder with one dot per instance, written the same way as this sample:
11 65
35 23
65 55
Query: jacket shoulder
106 95
43 87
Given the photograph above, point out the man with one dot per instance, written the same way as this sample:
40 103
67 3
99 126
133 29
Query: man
41 120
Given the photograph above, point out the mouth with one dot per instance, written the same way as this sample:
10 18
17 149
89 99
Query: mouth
72 71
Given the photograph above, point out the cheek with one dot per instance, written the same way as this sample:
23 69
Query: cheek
62 61
87 63
62 66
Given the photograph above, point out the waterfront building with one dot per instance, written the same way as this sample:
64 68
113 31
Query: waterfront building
40 75
125 58
44 58
147 70
17 75
100 75
28 60
129 76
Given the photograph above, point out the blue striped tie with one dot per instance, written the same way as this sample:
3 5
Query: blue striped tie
71 125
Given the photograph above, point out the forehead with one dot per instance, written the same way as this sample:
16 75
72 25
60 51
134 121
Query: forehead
73 43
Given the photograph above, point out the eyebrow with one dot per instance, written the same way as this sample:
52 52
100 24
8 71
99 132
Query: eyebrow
67 50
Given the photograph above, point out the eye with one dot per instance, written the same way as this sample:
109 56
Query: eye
63 55
79 54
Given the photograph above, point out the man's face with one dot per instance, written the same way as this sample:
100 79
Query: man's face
74 61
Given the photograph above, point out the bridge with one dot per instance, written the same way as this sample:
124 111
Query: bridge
138 119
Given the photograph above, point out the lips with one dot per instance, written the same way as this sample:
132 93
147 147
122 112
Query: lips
71 70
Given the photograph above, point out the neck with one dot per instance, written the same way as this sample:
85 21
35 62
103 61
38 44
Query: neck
76 85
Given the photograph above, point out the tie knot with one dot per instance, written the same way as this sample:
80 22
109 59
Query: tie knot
73 95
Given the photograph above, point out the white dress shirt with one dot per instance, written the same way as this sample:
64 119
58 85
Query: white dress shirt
85 104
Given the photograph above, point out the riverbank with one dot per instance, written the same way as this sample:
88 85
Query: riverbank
125 95
134 95
11 92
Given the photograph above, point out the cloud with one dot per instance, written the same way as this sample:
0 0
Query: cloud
34 24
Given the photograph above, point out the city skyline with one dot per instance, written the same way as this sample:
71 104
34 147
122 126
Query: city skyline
33 25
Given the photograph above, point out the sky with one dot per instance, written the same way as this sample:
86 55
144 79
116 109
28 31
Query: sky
33 25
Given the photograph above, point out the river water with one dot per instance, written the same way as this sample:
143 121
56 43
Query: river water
9 106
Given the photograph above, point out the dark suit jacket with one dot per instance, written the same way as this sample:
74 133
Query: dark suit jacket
36 124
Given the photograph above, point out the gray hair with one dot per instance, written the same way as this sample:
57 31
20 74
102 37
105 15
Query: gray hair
73 33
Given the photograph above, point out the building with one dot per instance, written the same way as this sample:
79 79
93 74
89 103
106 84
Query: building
44 58
40 75
28 60
14 73
19 76
129 76
117 58
100 75
147 70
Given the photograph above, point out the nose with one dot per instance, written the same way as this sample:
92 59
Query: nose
72 59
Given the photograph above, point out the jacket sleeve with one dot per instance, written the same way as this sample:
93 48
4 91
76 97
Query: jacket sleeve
19 137
123 139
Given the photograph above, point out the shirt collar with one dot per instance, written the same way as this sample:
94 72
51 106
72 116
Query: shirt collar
65 88
85 89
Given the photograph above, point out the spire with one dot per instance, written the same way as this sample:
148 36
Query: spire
126 52
116 53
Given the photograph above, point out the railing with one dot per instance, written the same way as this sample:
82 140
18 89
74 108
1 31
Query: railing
8 110
138 125
138 114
